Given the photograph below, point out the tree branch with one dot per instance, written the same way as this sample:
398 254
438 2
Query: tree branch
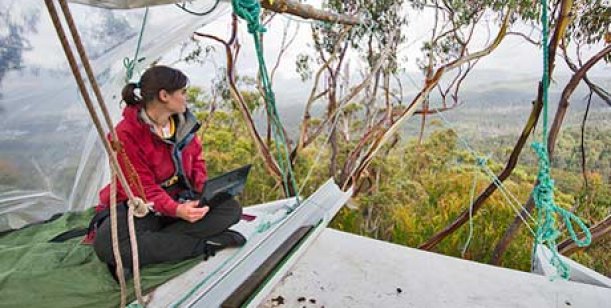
568 91
526 37
307 11
304 139
429 85
270 162
602 93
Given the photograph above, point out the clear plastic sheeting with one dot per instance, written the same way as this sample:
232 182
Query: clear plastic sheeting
126 4
51 159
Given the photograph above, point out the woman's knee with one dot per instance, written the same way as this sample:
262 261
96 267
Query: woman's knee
102 244
236 210
230 211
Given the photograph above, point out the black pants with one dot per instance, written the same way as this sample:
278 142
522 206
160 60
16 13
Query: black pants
164 239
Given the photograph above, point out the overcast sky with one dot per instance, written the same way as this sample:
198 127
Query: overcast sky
514 56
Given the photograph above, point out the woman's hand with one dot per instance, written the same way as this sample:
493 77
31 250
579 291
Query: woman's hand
190 212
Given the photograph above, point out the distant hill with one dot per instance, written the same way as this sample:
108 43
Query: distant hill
493 102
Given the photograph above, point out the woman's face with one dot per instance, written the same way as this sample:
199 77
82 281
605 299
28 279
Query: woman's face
175 102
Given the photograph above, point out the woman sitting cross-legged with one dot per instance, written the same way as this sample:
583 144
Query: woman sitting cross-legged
159 144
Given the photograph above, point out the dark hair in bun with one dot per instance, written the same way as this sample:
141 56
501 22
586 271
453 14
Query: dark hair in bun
153 80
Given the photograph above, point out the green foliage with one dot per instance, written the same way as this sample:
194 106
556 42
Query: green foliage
458 19
414 190
591 23
382 19
228 145
302 66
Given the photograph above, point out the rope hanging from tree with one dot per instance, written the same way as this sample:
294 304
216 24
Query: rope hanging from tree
183 6
543 193
111 149
130 64
249 10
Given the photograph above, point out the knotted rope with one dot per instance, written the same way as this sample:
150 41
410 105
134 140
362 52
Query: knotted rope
249 10
543 193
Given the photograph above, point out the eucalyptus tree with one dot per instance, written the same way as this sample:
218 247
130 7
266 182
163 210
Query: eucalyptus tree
568 24
378 41
585 25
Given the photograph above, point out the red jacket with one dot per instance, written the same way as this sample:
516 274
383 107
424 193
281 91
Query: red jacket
152 158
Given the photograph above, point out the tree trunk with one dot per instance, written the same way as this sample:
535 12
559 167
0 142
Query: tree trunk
333 134
501 246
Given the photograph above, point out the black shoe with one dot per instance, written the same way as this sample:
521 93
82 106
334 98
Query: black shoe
225 239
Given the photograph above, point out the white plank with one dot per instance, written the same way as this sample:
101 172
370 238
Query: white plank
345 270
578 272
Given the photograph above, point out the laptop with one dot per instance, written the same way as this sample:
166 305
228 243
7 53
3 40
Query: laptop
224 186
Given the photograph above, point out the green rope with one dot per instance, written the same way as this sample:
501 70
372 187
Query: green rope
249 10
130 64
543 193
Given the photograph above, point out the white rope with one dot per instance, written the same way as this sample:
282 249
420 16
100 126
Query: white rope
509 197
322 148
472 196
114 234
110 150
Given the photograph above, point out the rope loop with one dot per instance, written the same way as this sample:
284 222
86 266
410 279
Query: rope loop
129 66
139 206
569 218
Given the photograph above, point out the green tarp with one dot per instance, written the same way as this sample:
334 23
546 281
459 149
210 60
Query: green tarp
35 273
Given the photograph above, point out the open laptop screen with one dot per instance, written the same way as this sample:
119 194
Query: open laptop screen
224 186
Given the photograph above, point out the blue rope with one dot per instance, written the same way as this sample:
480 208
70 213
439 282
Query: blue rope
543 193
